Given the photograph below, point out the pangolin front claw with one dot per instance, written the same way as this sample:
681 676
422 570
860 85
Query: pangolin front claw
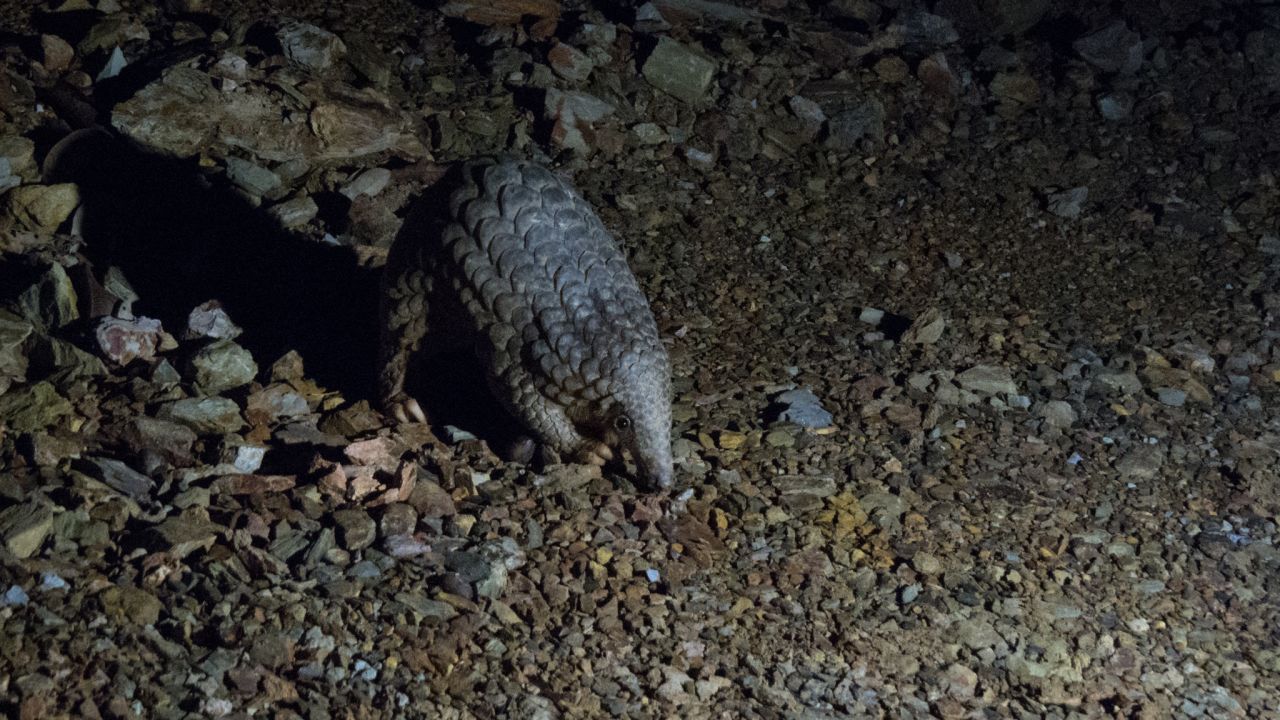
405 409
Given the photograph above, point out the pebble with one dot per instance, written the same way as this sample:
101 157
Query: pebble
987 380
310 46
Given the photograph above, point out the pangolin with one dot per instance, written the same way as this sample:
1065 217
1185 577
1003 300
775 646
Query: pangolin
517 265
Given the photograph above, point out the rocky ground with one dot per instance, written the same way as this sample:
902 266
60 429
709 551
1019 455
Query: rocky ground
972 307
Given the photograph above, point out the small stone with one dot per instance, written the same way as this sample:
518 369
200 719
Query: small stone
976 633
24 528
926 563
356 529
926 329
1113 49
1122 383
42 208
846 128
569 62
1173 397
111 32
570 112
988 380
294 213
15 596
309 46
1115 106
802 407
368 183
252 177
56 54
679 71
122 478
1069 203
209 320
432 501
221 366
173 441
398 519
1141 463
131 604
123 341
1058 413
207 415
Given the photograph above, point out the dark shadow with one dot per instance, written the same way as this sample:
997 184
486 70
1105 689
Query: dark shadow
181 241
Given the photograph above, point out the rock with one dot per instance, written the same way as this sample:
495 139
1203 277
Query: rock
926 329
926 564
679 71
15 596
802 407
1141 463
56 54
988 380
209 320
570 63
33 407
251 177
184 534
355 528
310 46
432 501
961 682
847 127
171 440
116 64
928 31
500 12
369 61
1113 49
14 333
23 528
223 365
207 415
368 183
1117 382
130 604
123 341
1013 17
572 113
42 208
112 32
1016 91
1068 203
122 478
276 402
1115 106
1173 397
51 302
294 213
1058 414
18 154
976 633
342 124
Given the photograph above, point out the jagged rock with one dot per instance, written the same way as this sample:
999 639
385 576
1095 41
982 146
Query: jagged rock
42 208
207 415
572 113
172 441
33 407
124 341
183 114
24 528
679 71
220 366
1115 49
988 380
309 46
294 213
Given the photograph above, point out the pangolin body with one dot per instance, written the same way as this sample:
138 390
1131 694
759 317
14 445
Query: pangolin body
519 266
